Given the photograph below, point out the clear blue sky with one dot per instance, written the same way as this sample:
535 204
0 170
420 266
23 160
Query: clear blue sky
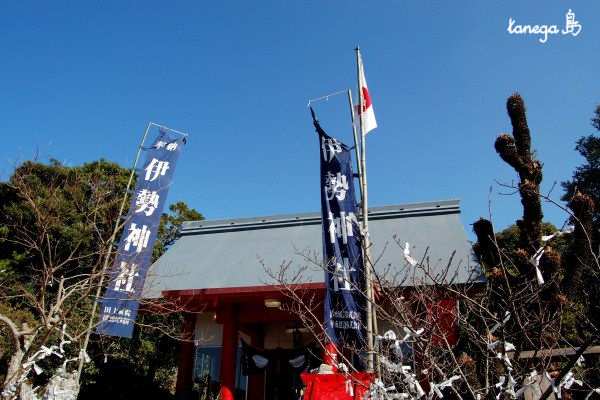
80 80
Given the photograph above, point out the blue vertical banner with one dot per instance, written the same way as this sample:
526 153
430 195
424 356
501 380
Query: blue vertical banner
134 251
344 272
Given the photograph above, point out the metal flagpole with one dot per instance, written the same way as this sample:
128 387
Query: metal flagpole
107 258
365 211
358 166
371 311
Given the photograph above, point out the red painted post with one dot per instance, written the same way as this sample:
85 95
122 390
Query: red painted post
229 346
330 355
443 318
185 370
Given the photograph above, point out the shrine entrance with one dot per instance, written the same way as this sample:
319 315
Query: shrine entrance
278 368
262 350
283 384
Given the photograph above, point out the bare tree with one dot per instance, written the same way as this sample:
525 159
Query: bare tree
59 232
521 333
55 226
461 340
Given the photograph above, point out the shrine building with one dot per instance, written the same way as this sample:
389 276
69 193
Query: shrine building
216 272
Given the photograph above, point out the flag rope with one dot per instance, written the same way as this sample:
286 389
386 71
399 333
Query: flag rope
310 101
167 128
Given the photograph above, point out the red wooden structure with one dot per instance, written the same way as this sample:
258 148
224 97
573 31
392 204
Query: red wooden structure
336 386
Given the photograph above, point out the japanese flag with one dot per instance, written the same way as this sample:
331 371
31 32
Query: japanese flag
368 119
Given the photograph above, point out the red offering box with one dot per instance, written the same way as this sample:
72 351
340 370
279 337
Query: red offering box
336 386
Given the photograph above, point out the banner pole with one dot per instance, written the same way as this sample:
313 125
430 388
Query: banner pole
356 150
107 258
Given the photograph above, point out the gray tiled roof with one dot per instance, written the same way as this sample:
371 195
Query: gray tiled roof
225 253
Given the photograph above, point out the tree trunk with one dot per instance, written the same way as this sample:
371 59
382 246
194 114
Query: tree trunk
62 386
14 367
26 392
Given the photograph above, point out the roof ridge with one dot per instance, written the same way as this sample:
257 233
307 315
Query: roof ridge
282 220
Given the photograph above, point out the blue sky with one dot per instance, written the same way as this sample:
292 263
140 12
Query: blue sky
80 80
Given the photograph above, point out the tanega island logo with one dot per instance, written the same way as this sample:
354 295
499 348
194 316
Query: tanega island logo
571 27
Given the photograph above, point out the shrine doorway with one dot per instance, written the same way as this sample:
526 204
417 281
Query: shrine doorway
277 370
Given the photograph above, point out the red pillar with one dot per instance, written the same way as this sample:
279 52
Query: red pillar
330 355
228 352
185 370
443 319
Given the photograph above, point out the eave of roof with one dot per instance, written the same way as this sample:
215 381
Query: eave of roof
228 253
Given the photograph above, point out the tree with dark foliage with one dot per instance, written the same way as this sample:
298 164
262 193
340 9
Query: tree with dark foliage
582 193
586 178
55 222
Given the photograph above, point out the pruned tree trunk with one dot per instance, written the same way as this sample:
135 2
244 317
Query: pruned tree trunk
515 150
488 252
